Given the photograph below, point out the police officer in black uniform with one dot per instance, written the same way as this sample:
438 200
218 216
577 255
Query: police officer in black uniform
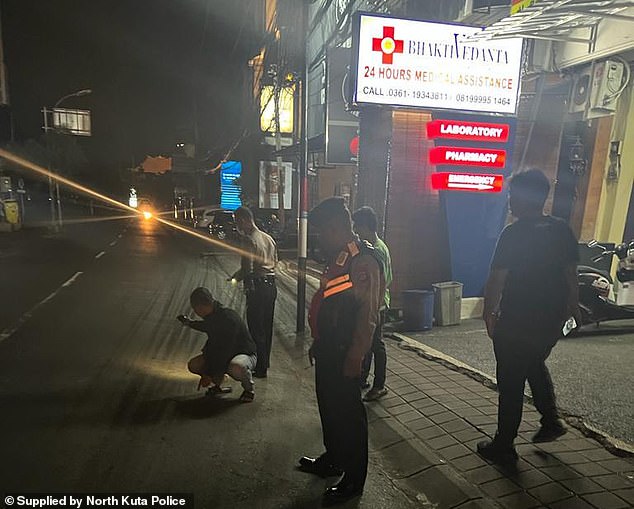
343 315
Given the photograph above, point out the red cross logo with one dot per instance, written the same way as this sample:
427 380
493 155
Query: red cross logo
387 45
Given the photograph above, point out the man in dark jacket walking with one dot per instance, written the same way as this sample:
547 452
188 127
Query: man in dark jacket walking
531 292
229 347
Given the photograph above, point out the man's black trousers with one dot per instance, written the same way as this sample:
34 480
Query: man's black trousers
343 418
380 357
521 357
260 309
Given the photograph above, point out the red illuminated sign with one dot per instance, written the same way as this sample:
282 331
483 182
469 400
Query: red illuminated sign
448 181
474 131
462 156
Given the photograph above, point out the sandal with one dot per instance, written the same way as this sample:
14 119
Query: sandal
247 397
216 390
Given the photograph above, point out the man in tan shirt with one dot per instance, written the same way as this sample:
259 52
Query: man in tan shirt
257 272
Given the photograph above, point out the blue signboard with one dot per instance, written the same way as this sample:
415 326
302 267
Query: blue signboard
230 192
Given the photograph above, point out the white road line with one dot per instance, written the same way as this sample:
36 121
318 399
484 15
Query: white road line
113 243
100 255
7 333
50 297
72 279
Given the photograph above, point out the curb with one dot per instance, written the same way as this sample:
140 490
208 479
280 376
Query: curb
611 444
417 470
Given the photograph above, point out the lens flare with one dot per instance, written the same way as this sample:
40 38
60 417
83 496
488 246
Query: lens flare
147 215
24 163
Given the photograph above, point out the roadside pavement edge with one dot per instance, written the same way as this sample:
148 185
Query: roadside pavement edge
613 445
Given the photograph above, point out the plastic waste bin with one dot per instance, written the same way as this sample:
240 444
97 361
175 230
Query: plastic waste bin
447 302
418 309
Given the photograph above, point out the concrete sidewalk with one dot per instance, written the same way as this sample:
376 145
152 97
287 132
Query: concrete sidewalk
432 418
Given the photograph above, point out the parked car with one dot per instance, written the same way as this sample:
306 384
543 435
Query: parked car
288 239
271 225
222 225
205 217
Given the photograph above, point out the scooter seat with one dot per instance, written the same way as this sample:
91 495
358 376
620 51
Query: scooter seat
586 268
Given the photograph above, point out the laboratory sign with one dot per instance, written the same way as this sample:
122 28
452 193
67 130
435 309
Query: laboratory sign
401 62
473 131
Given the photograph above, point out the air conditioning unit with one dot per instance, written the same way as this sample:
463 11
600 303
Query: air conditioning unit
607 81
580 93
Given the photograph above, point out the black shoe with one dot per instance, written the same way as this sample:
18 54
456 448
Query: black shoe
341 492
549 432
318 466
500 454
259 374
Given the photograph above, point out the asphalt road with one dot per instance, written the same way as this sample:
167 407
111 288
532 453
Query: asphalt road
94 392
592 372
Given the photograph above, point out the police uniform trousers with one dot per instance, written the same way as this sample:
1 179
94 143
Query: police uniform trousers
260 310
521 356
343 416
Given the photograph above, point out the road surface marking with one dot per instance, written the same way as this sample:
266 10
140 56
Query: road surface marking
100 255
113 243
50 297
7 333
120 235
72 279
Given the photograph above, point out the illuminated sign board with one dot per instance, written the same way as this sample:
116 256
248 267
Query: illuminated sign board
229 190
402 62
448 181
75 122
487 157
270 182
473 131
286 109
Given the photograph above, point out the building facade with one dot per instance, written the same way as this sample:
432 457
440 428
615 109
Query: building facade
378 155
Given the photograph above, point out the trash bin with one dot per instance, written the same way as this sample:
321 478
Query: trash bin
418 309
447 302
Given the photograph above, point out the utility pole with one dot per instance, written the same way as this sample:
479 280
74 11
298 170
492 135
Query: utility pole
278 140
51 198
302 205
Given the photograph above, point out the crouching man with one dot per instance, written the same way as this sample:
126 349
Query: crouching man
229 348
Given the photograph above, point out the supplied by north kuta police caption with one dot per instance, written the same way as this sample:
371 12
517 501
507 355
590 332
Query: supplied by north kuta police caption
77 501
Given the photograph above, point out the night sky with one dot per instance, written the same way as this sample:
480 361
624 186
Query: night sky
150 64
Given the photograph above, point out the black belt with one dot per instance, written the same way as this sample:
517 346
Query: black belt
264 279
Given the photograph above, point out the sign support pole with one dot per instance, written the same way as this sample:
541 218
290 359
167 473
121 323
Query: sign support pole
302 205
51 197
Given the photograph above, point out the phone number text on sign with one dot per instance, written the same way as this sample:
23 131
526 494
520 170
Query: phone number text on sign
434 65
465 100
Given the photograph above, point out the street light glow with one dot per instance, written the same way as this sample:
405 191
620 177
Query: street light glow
24 163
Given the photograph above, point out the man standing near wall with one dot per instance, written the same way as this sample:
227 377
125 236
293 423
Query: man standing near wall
530 294
365 226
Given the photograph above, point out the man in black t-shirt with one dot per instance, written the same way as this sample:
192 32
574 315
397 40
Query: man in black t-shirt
530 293
229 347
